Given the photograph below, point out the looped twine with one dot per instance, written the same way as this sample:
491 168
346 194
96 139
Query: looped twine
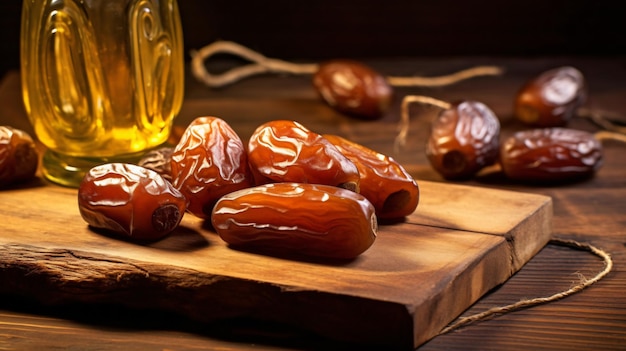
584 283
261 64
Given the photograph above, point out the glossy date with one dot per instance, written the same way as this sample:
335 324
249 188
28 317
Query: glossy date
208 162
384 182
551 154
18 156
353 88
463 140
286 151
552 98
297 219
130 200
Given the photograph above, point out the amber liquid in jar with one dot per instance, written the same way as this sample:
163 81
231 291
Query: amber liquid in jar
102 80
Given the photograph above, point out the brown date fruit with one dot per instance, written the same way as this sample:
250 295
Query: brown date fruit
18 156
353 88
286 151
130 200
384 182
297 219
552 98
550 154
463 140
158 160
208 162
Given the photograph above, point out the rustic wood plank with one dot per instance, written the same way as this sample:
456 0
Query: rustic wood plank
419 275
474 209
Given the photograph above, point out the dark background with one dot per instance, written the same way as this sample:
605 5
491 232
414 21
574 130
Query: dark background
315 30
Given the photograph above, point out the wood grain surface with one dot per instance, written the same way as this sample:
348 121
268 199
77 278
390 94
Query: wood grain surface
418 276
592 211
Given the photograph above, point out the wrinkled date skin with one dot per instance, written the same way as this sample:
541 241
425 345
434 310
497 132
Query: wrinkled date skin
286 151
208 162
18 156
130 200
550 154
463 140
159 160
297 219
552 98
384 182
353 88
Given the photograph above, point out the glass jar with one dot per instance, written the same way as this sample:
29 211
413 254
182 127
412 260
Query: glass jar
102 80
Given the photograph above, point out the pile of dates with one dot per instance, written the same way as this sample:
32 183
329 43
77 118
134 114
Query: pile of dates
465 138
288 191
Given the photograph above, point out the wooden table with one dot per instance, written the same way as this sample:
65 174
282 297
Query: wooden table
593 211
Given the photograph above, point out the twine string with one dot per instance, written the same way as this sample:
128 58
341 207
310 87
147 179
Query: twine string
260 64
609 121
604 119
584 283
445 80
404 126
612 123
606 135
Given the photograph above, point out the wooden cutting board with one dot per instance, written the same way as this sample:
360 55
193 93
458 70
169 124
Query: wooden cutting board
418 276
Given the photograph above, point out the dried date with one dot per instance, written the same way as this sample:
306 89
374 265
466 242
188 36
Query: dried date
297 219
384 182
286 151
208 162
159 160
353 88
552 98
18 156
463 140
130 200
550 154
